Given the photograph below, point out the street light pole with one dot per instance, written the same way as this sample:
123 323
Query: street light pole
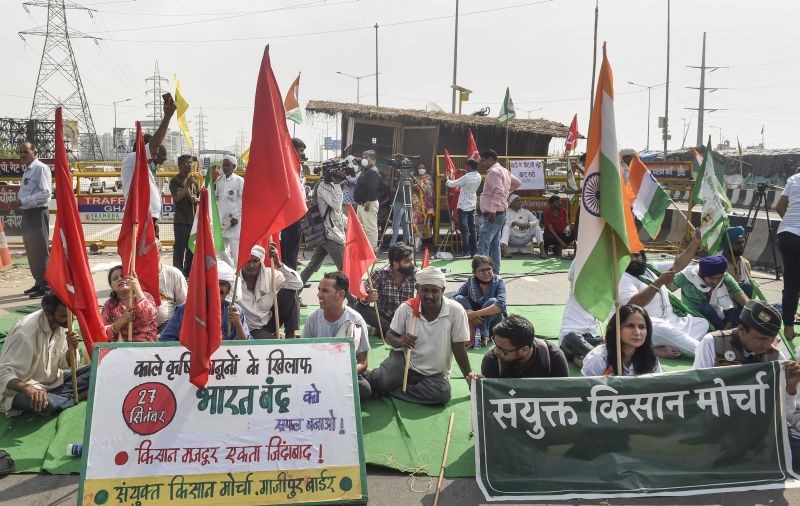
648 108
358 83
114 133
455 66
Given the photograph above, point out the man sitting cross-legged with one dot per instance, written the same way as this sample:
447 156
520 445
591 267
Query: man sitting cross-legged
517 353
335 319
391 286
36 350
432 327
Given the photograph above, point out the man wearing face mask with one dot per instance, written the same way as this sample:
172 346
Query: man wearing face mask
392 285
673 335
366 196
230 188
328 193
517 353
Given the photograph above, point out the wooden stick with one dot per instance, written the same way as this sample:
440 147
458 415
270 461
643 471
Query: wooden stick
688 223
275 301
73 366
132 300
233 299
444 459
733 259
377 313
408 355
616 307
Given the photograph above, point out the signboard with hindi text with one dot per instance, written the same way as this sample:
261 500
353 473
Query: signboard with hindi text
529 172
278 422
680 433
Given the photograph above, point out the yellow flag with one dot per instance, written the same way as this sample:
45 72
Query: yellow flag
182 106
245 156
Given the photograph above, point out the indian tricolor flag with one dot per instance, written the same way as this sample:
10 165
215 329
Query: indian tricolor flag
603 237
650 201
292 102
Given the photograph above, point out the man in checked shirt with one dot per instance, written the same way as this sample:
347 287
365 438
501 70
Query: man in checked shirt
391 286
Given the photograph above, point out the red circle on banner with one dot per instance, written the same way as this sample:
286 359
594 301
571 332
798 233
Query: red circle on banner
148 408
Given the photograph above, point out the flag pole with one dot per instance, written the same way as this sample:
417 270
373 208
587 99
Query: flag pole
506 143
616 307
73 366
233 300
275 300
688 223
377 313
408 354
131 300
444 459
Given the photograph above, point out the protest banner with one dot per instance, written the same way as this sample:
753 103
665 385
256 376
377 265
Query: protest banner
682 433
277 423
529 172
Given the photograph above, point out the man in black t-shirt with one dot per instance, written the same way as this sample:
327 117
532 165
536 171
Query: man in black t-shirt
366 196
518 354
185 195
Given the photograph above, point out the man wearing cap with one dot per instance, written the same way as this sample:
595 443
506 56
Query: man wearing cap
257 292
738 266
707 288
648 286
434 329
230 188
233 322
521 227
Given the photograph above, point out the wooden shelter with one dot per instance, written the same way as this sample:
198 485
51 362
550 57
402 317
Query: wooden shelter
428 133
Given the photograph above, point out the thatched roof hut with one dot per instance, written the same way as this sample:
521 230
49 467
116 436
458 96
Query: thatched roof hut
389 130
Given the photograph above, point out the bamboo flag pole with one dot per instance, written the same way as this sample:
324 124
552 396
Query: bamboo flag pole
132 299
73 366
616 306
408 354
233 300
686 219
444 459
377 313
275 300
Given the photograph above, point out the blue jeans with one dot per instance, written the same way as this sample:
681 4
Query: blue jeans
489 241
710 314
59 398
399 218
466 224
488 321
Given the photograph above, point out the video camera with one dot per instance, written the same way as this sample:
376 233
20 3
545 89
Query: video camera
404 165
335 168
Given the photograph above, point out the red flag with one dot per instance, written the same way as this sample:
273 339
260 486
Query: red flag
359 255
272 198
452 193
201 329
264 243
426 258
68 272
137 213
472 147
572 137
415 303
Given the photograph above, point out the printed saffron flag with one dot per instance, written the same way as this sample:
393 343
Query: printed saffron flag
572 136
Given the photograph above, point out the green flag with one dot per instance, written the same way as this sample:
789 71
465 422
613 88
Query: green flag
507 111
216 228
707 193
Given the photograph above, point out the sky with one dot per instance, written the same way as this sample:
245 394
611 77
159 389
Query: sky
541 50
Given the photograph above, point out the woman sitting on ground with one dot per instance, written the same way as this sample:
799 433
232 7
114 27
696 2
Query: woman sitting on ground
636 338
116 314
483 295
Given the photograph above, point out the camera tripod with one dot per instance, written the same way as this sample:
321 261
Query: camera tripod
404 188
759 200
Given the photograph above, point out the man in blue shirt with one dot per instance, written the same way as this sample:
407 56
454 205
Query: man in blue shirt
234 324
35 191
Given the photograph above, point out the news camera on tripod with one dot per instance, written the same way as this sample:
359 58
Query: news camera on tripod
404 182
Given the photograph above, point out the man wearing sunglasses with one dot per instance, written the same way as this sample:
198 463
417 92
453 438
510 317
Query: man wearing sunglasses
518 354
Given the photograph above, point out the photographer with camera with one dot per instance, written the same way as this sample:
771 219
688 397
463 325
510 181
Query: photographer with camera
366 196
290 236
328 196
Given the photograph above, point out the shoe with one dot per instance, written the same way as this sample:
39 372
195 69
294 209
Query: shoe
307 285
41 292
34 288
302 304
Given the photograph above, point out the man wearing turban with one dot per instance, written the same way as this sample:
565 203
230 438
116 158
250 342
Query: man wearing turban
230 188
733 244
435 329
707 288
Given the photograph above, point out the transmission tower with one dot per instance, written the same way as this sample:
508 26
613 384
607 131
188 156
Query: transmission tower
201 131
59 82
154 87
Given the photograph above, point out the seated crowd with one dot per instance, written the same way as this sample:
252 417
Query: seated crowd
714 321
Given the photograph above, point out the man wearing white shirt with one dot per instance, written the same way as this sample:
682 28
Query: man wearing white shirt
788 207
156 155
580 330
521 227
467 201
230 189
257 300
35 191
173 289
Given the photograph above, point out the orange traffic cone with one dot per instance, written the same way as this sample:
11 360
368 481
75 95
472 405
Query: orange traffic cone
5 253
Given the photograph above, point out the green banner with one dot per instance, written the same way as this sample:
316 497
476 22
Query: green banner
682 433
